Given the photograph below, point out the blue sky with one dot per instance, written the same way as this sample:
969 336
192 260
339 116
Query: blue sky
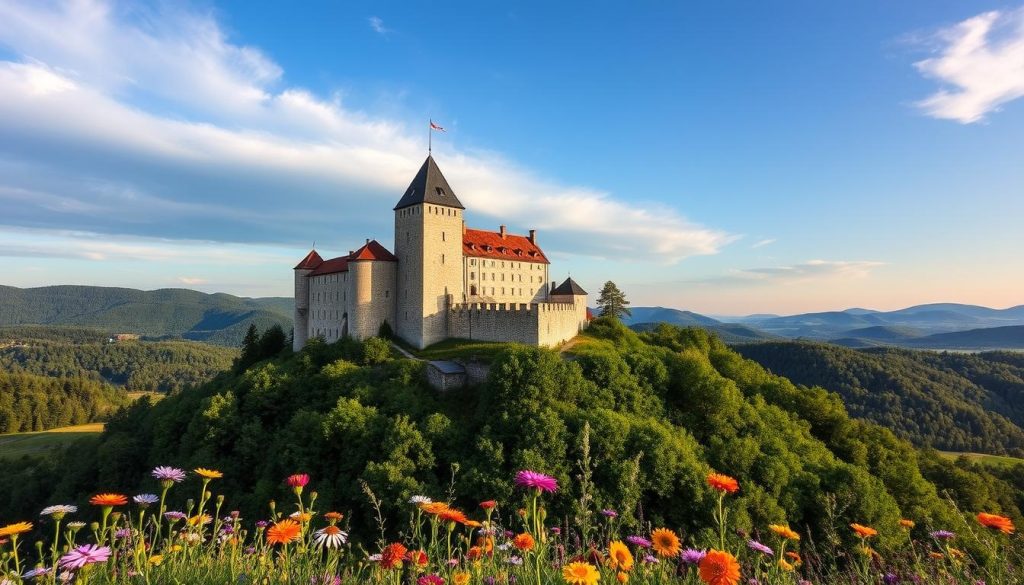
726 158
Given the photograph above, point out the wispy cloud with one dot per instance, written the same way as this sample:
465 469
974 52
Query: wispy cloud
981 66
763 243
230 154
377 24
812 270
191 280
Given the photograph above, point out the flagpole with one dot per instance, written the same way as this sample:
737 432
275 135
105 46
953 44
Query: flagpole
430 137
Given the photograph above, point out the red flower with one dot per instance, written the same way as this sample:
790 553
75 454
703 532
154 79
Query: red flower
488 505
298 480
392 555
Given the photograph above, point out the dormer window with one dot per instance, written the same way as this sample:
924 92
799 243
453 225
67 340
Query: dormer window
440 191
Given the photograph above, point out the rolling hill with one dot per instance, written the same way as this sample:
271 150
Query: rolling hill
217 318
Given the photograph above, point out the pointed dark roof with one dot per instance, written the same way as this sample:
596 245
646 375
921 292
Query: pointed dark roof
373 251
569 287
429 186
311 261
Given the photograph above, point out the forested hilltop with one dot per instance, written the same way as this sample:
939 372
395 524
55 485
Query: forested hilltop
216 318
662 408
950 401
35 403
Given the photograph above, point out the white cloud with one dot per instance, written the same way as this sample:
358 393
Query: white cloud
377 24
812 270
191 280
763 243
981 66
160 118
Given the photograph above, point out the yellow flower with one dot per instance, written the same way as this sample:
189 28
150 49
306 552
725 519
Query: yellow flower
784 532
199 520
460 578
580 574
619 557
622 577
15 529
785 566
208 473
156 559
908 524
665 542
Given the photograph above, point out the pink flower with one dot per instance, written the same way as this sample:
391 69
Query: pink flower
537 481
86 554
298 480
430 580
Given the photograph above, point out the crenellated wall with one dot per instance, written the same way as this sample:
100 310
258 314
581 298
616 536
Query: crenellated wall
545 324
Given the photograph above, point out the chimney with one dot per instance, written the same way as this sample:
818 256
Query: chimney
350 252
503 232
367 240
533 237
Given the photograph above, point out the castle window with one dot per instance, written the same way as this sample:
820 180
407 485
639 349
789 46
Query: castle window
387 293
442 258
472 290
442 237
440 192
472 275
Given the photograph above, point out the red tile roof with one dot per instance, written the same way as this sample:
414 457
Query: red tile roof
311 261
371 251
484 244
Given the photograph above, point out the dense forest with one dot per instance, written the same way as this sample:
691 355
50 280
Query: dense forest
172 313
637 419
166 366
949 401
34 403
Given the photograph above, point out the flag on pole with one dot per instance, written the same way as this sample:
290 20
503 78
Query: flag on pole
437 127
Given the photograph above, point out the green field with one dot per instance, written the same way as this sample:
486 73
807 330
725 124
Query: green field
983 458
40 443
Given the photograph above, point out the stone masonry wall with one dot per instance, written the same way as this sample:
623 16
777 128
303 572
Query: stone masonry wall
373 285
558 322
494 322
504 281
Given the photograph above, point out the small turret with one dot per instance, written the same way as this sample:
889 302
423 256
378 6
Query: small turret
300 321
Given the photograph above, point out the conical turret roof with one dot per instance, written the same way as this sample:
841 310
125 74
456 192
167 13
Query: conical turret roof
429 186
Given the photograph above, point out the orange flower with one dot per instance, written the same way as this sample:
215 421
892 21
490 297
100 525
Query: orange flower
784 532
434 507
474 553
622 577
200 520
863 531
619 557
15 529
1000 523
452 515
580 574
208 473
334 516
723 483
719 568
665 542
908 524
108 500
794 556
418 558
460 578
523 541
284 532
392 555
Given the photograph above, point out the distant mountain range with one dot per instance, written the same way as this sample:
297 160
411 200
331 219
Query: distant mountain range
934 326
216 318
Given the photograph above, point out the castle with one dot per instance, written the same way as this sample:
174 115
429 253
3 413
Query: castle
443 281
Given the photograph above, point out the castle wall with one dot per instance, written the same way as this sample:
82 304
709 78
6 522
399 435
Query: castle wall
504 281
329 314
494 322
561 321
300 318
373 287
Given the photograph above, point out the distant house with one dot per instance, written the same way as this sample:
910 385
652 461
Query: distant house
124 337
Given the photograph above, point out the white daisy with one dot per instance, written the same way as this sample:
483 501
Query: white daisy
330 537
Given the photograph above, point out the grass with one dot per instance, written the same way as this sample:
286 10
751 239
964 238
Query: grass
40 443
1000 460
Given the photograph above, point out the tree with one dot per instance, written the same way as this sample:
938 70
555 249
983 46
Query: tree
612 302
250 349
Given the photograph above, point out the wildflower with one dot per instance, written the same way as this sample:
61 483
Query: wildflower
580 574
208 474
36 572
297 482
523 541
108 500
76 525
330 537
488 504
86 554
908 524
651 559
863 531
890 579
175 515
607 513
453 515
284 532
433 508
784 565
418 558
719 568
514 560
619 557
536 481
622 577
460 578
723 483
144 500
417 500
665 542
333 517
392 555
59 511
794 556
200 520
942 535
15 529
123 533
692 556
430 580
784 532
1000 523
556 530
168 476
301 516
638 541
155 560
761 548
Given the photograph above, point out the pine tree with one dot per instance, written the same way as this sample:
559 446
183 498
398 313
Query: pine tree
250 349
612 302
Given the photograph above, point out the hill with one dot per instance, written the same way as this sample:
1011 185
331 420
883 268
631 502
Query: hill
953 402
215 318
1009 337
665 315
644 417
727 332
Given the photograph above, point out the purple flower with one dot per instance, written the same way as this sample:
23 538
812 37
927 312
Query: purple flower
86 554
144 500
608 513
175 515
262 524
537 481
943 535
692 556
638 541
37 572
556 530
651 559
169 474
890 579
123 533
755 545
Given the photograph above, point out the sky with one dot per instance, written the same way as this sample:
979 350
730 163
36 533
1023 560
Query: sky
726 158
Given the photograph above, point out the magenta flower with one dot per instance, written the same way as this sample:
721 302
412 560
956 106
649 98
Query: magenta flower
755 545
692 556
638 541
169 475
537 481
86 554
430 580
298 480
943 535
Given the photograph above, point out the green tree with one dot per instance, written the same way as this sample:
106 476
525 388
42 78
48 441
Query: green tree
612 302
